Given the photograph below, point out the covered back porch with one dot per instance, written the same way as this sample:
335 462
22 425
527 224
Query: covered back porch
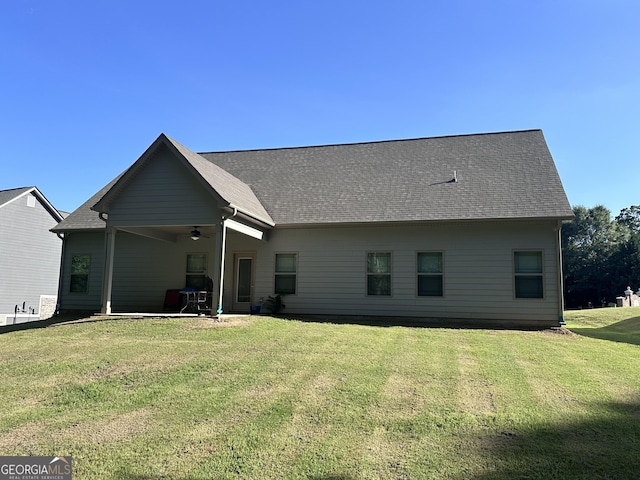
180 270
166 228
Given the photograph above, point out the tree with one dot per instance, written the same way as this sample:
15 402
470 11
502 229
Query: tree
630 218
628 261
591 246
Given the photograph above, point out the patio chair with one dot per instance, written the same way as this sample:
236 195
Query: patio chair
172 300
202 301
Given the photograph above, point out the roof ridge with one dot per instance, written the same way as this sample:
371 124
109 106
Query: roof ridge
373 142
17 188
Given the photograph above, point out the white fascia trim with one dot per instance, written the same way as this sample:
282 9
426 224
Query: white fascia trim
242 228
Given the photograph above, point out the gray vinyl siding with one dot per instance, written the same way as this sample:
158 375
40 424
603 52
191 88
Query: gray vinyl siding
29 254
83 243
478 270
164 193
144 269
331 270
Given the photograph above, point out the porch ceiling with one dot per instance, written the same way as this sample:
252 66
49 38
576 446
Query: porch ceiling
171 233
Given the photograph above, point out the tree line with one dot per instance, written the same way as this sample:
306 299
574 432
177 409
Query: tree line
601 255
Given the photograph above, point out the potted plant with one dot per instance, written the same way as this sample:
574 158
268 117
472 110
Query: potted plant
272 304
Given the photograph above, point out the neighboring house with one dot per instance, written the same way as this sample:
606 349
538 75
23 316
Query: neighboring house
29 255
458 228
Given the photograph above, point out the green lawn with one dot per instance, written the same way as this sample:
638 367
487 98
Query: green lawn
263 398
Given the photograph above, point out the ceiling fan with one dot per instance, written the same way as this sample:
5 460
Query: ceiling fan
196 234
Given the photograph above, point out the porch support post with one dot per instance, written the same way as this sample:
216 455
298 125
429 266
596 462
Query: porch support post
107 276
221 246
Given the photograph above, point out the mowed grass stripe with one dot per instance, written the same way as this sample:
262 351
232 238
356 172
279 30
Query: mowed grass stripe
272 398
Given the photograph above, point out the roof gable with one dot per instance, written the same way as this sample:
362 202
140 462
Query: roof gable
7 196
227 190
11 195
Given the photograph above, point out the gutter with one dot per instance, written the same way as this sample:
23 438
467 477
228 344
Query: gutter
251 218
235 212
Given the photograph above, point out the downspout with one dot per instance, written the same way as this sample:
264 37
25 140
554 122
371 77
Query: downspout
107 287
223 248
102 217
61 275
560 276
107 272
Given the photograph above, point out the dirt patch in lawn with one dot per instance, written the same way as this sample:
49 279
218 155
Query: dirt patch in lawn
559 331
225 322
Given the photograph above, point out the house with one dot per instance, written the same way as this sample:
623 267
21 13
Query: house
29 255
458 228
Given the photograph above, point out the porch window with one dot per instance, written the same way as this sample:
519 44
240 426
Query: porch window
430 274
379 273
286 273
80 265
528 274
196 271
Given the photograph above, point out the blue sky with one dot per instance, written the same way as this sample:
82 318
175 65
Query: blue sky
87 86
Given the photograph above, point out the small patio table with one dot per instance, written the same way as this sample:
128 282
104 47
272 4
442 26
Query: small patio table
195 300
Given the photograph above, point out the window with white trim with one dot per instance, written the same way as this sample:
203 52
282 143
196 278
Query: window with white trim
286 273
430 270
196 277
528 274
379 273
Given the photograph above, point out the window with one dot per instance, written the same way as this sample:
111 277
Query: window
528 274
286 273
379 273
197 271
430 274
80 265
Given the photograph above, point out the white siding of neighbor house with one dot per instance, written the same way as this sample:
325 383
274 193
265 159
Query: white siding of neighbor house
29 254
478 269
164 192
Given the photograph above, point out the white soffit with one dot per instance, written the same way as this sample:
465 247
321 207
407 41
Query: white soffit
242 228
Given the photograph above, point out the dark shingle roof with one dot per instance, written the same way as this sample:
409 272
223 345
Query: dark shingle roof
508 175
83 218
500 176
8 195
233 190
